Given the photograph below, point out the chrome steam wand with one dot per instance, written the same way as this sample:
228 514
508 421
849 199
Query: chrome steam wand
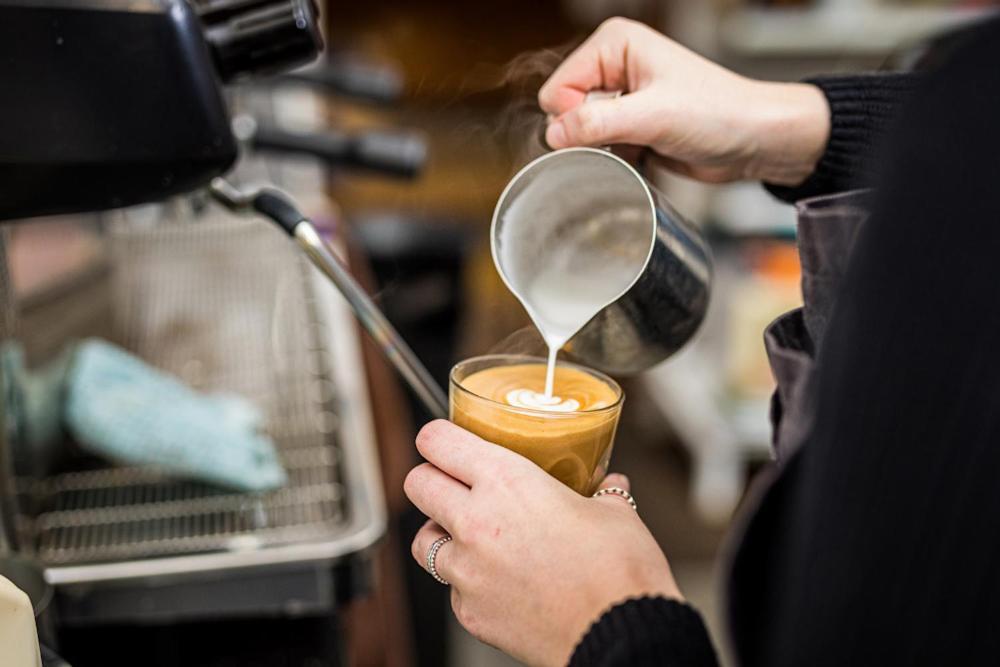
279 208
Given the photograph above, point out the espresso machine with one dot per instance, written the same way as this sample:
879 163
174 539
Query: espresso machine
119 103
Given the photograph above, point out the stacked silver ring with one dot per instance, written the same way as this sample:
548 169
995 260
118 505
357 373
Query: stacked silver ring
618 491
432 556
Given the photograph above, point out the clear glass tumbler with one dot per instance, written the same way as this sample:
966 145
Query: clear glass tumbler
573 447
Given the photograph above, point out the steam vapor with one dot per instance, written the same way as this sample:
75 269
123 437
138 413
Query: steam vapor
522 123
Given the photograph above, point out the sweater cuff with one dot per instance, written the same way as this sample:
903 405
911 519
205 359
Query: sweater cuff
862 108
646 631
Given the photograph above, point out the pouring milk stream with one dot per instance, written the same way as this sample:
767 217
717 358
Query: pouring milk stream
561 298
566 273
558 309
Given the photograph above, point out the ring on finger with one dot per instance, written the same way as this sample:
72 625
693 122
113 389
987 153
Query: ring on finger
432 553
620 492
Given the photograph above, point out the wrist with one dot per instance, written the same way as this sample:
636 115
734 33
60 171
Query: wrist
792 126
636 582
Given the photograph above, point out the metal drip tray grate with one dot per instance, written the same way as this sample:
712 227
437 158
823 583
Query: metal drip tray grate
226 305
130 513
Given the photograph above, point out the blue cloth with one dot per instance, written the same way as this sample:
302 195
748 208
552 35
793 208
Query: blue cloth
120 408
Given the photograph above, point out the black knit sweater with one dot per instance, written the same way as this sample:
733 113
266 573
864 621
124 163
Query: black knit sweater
879 544
862 108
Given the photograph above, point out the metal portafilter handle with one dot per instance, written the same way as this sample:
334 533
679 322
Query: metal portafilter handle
259 36
401 154
352 77
278 207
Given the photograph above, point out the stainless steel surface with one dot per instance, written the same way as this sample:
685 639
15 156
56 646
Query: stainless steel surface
8 495
226 305
391 344
230 196
393 347
8 305
597 201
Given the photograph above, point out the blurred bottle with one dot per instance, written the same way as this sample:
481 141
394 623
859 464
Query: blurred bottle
770 287
783 3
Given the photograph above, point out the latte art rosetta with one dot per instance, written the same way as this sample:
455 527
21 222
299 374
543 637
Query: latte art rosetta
523 386
525 398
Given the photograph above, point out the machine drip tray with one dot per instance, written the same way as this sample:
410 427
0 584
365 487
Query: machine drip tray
227 306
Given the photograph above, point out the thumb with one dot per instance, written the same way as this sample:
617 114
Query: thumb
599 122
616 479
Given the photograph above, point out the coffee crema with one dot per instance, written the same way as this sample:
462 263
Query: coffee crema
574 446
523 386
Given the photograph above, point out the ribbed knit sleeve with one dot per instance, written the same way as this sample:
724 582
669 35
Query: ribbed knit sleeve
644 632
862 108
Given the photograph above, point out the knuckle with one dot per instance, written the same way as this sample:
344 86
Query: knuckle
411 483
545 95
431 432
506 479
512 475
479 533
474 529
416 549
612 23
467 526
590 124
616 24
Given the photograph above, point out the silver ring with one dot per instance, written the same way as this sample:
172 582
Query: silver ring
618 491
432 556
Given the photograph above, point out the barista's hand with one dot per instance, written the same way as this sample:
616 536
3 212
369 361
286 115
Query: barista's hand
532 563
705 121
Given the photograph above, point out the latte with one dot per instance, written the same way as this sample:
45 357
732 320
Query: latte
502 399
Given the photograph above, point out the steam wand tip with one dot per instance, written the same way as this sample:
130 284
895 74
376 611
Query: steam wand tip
269 202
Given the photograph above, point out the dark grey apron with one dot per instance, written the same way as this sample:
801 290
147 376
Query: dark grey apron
827 228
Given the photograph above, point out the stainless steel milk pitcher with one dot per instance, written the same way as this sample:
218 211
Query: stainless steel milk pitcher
593 207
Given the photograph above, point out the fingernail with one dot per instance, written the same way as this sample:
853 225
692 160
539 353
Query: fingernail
555 135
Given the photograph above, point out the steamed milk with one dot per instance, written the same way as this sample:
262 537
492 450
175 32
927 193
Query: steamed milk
560 301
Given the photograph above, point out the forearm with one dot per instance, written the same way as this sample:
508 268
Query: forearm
646 631
860 109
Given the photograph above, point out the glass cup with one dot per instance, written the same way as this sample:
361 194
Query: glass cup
573 447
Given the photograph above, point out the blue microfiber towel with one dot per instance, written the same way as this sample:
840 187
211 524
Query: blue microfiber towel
120 408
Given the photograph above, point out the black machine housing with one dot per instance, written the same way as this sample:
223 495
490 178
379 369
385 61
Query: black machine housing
110 103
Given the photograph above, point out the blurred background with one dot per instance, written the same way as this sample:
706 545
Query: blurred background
397 145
